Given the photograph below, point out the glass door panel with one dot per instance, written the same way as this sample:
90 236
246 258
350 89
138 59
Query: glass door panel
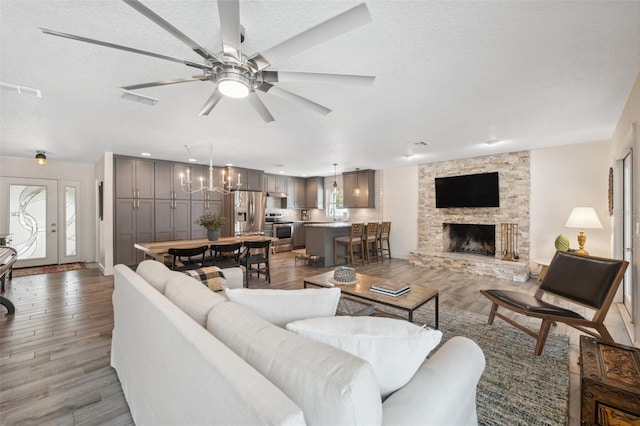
627 202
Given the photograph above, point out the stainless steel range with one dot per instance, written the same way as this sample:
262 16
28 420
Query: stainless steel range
276 226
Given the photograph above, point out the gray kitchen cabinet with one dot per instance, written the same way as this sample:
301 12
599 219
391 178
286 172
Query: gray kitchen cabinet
298 234
167 180
250 180
198 207
314 193
134 223
172 220
365 181
254 180
198 172
275 183
296 193
134 178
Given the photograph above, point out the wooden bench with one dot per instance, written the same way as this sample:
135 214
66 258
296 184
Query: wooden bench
8 256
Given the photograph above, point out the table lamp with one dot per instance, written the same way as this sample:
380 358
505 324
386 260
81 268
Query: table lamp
583 217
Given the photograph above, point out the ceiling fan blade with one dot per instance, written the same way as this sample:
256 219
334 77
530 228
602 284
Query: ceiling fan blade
164 82
158 20
229 11
211 102
125 48
259 106
340 24
314 77
266 87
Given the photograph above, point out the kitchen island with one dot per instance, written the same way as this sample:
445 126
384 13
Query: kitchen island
318 238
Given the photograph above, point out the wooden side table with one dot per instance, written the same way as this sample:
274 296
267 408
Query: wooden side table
610 383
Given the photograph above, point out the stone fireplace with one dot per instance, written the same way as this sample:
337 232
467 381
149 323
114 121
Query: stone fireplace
477 249
469 238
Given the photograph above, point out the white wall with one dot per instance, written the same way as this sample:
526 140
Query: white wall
562 178
84 173
104 229
400 206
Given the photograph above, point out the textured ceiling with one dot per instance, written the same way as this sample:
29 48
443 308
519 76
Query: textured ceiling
451 74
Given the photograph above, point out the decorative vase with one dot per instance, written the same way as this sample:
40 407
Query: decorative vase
213 234
562 243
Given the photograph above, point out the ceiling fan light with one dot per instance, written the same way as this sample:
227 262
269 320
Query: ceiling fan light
233 88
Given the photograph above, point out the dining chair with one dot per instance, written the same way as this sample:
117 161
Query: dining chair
582 280
371 241
384 230
188 258
351 241
256 259
226 255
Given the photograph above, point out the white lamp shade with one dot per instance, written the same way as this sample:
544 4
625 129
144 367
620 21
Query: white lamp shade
583 217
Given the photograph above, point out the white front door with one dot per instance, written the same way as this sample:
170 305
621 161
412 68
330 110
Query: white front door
41 216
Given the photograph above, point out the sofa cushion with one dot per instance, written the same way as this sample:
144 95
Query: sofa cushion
211 276
155 273
331 386
395 348
280 307
192 297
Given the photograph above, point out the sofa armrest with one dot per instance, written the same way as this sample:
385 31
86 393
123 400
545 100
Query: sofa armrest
234 277
443 390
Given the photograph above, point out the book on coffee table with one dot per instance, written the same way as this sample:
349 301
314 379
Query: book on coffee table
390 288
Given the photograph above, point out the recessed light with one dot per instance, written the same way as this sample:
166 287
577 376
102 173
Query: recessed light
192 160
281 172
492 142
229 164
145 154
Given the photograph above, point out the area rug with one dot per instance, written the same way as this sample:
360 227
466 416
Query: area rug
517 387
48 269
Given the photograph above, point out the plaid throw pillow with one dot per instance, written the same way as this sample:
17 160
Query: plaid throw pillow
211 276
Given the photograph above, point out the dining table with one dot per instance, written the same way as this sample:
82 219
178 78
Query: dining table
158 250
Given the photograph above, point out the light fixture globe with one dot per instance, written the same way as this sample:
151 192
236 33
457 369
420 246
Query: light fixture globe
234 82
41 159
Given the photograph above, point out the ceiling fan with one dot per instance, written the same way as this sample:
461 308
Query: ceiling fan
238 76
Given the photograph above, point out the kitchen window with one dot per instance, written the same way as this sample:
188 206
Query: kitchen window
334 204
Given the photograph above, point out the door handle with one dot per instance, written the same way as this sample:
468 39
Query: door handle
53 230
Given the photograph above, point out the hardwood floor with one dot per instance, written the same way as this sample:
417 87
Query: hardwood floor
54 352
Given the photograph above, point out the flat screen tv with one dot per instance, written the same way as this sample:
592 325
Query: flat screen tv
478 190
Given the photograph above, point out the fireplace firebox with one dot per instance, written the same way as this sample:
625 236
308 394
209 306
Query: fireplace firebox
469 238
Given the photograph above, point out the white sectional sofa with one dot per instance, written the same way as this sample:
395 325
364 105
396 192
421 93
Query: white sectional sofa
188 356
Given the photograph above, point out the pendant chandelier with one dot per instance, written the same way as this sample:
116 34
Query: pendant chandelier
227 181
335 180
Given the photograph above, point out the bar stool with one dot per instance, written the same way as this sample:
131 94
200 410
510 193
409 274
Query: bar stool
354 239
371 241
383 235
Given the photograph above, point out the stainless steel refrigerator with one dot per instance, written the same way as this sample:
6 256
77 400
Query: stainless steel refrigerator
247 212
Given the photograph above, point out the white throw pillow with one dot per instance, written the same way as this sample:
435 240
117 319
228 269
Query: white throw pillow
280 307
395 348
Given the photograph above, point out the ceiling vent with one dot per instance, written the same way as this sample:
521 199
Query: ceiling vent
21 89
130 96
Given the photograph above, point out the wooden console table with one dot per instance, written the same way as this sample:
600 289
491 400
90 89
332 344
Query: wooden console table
610 383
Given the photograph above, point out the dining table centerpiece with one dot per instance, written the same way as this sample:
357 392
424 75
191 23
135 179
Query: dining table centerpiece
212 222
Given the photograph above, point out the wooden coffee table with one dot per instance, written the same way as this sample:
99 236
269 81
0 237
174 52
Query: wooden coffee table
408 302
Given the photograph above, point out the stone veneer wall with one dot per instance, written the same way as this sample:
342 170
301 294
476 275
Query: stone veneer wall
515 187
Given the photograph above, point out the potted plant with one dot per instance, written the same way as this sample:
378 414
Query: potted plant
212 222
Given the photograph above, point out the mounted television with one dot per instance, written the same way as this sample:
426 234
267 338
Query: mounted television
478 190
